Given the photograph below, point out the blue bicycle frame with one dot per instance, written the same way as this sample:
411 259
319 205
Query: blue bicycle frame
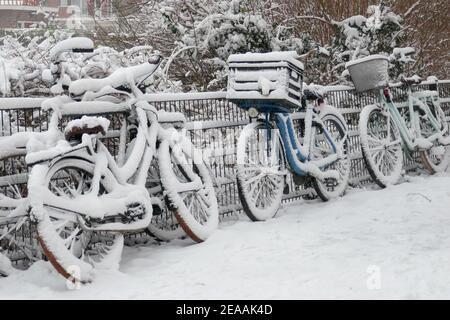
298 154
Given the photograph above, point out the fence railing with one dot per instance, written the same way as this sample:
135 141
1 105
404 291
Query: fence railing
214 125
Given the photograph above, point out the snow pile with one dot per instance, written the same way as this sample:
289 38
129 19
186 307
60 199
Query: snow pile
168 117
5 266
28 142
403 54
38 151
250 57
414 78
370 244
32 143
265 86
351 29
380 15
426 94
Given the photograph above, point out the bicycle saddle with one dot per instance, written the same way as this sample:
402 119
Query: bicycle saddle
119 78
312 95
89 125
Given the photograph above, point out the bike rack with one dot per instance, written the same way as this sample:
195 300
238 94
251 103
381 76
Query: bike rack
214 124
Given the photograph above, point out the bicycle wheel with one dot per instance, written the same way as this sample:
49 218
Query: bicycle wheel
261 171
71 249
323 147
381 145
164 224
188 189
437 158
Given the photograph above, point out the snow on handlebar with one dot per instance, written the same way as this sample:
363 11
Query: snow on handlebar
118 78
77 44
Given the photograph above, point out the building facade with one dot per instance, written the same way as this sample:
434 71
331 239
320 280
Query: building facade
16 14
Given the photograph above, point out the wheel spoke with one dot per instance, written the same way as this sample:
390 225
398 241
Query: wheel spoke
382 146
71 183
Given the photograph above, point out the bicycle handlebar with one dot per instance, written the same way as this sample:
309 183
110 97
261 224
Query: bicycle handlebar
119 78
75 45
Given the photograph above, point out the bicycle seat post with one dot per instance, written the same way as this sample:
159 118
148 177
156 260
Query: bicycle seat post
387 94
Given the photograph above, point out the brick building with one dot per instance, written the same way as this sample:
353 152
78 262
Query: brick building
26 13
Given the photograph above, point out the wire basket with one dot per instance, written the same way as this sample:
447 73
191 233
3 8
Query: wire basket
369 73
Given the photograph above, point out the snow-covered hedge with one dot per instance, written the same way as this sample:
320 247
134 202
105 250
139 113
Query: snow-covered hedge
196 37
26 67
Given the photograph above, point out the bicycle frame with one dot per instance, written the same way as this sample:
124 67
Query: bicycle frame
299 154
128 181
142 154
410 135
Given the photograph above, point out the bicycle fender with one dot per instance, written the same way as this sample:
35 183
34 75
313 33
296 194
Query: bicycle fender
80 154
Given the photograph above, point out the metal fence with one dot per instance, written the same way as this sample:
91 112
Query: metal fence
214 125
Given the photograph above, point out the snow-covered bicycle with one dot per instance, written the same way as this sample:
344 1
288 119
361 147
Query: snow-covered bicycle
61 73
386 134
83 200
269 86
14 218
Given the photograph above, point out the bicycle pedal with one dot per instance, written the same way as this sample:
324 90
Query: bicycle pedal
286 189
309 196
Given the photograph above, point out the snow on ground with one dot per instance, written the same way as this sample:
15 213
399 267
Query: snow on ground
391 243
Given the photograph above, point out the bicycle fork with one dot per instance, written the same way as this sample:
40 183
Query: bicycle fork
295 152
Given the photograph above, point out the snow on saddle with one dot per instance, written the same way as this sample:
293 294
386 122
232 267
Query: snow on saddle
86 125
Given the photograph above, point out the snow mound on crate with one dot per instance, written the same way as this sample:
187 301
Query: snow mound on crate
289 56
88 122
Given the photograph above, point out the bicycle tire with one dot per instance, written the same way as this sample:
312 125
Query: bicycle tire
196 210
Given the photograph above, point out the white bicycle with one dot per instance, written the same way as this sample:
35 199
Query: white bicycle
83 200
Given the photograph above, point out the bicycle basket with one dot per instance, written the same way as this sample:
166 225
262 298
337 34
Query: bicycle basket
273 77
369 73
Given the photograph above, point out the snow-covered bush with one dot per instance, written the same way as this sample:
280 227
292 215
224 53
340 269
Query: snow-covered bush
227 27
23 61
358 36
27 69
199 35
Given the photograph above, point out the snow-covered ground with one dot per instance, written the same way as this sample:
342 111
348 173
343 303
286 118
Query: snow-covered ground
392 243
